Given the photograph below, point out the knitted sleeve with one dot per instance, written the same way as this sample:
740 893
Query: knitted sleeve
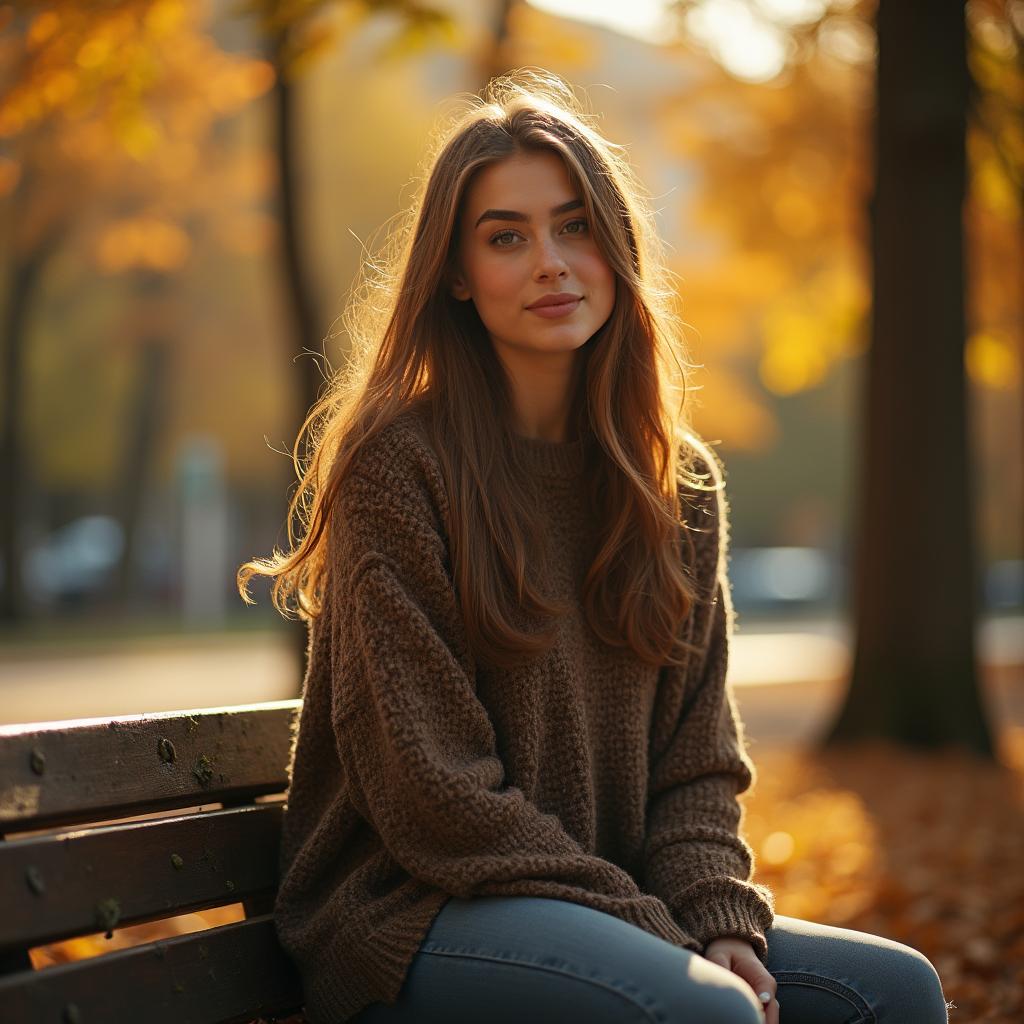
694 858
418 746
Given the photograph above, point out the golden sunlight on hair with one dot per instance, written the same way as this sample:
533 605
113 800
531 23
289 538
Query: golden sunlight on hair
414 347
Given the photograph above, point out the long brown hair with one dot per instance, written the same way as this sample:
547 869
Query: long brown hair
415 345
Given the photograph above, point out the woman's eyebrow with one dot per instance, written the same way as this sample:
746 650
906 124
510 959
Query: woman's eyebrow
573 204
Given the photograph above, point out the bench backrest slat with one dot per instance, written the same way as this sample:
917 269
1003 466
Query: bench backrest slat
59 887
60 773
232 973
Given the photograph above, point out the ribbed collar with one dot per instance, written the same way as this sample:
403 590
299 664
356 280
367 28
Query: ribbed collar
562 459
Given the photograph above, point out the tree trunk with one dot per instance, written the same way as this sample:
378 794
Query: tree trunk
916 588
306 334
26 274
495 61
143 424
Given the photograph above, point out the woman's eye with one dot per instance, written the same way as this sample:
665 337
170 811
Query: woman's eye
510 235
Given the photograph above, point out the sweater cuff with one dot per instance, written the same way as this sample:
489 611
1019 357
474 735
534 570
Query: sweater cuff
715 908
651 914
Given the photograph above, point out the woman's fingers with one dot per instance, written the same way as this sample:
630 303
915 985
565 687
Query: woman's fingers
759 978
737 955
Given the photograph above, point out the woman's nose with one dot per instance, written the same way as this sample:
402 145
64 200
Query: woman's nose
550 261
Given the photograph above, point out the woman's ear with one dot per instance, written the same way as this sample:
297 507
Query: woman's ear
458 287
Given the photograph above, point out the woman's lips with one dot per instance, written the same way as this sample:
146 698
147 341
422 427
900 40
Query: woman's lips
560 309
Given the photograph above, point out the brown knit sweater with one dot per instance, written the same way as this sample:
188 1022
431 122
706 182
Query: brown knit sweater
417 775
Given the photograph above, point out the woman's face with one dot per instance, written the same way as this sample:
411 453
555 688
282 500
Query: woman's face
525 236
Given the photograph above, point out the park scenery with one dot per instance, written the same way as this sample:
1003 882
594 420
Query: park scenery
190 191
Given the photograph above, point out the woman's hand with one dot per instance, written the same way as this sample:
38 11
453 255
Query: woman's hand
738 956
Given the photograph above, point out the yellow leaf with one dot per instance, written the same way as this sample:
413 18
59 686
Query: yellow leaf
992 361
43 27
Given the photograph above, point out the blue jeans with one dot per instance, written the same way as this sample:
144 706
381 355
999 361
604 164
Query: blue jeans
510 960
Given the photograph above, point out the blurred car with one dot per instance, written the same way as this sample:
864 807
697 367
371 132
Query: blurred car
803 579
780 579
74 561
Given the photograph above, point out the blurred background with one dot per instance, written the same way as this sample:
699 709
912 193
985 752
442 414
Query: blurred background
186 192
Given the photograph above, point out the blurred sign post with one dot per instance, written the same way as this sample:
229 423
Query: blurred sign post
204 532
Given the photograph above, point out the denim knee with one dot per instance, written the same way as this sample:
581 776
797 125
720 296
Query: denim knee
740 1007
722 998
919 974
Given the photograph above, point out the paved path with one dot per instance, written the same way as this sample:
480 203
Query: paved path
788 678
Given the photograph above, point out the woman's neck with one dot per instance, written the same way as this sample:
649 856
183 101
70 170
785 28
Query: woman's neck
542 385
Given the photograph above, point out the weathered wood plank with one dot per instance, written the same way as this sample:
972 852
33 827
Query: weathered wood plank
57 773
76 883
228 974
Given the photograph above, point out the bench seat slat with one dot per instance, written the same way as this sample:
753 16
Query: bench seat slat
60 773
59 886
232 973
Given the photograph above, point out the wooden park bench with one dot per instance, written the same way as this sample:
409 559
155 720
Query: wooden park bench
67 869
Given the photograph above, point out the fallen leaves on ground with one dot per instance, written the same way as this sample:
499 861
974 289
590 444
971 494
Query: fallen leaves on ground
923 848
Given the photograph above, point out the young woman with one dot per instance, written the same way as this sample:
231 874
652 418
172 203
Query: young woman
514 783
